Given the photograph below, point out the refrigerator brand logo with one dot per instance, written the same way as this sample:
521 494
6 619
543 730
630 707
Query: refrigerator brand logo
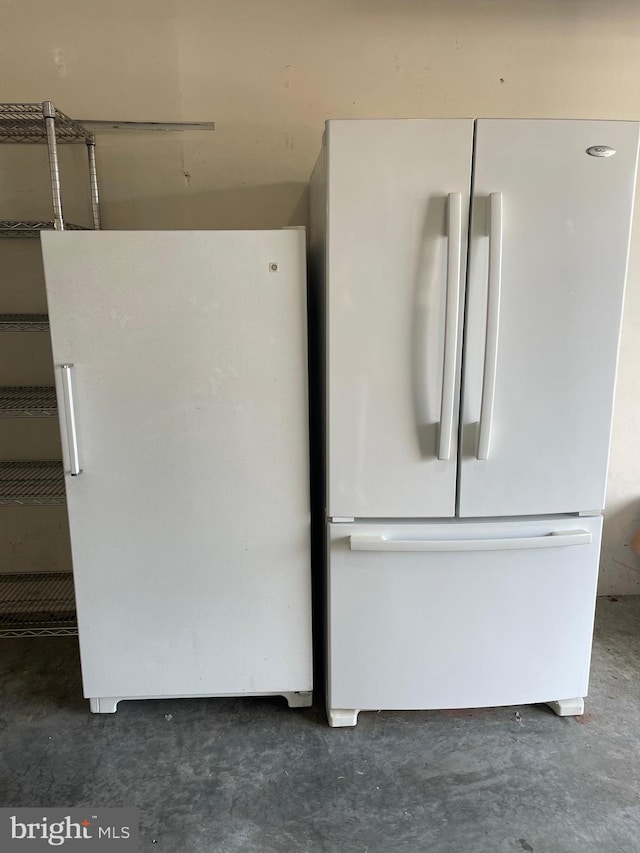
42 829
601 151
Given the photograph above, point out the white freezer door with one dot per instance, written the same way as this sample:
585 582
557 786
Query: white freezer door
547 265
190 519
397 212
460 614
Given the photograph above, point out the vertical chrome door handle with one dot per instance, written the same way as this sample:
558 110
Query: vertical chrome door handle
454 251
493 325
70 420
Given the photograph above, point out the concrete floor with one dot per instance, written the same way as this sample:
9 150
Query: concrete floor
235 776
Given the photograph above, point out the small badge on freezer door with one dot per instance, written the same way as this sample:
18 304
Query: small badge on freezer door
601 151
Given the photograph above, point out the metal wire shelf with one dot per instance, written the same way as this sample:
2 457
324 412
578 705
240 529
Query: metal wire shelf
28 401
32 483
37 604
34 123
32 227
24 323
25 124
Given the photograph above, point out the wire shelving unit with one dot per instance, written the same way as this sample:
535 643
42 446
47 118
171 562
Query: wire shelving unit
38 124
36 604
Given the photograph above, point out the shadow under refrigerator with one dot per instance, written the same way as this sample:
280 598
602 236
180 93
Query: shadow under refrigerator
181 374
468 278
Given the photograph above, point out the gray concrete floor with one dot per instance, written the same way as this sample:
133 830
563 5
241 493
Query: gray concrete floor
241 775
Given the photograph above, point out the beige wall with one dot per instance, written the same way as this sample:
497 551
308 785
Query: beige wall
270 71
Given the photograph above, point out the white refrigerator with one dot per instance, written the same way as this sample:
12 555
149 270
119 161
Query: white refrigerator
468 281
181 373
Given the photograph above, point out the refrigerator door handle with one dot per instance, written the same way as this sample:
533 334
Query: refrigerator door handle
493 323
454 251
557 539
70 420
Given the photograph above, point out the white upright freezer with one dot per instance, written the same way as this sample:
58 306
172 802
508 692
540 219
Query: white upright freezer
181 374
469 280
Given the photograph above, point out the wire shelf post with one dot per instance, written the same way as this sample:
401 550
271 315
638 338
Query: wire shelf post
49 113
93 179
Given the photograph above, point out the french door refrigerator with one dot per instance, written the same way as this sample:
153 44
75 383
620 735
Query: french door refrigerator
181 373
468 278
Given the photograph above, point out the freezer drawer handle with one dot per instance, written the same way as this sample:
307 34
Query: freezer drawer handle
557 539
454 251
493 322
70 420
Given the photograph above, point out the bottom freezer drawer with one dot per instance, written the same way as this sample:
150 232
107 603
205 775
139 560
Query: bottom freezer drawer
460 614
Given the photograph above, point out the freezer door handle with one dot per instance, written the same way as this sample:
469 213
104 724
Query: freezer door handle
70 419
557 539
493 324
454 251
